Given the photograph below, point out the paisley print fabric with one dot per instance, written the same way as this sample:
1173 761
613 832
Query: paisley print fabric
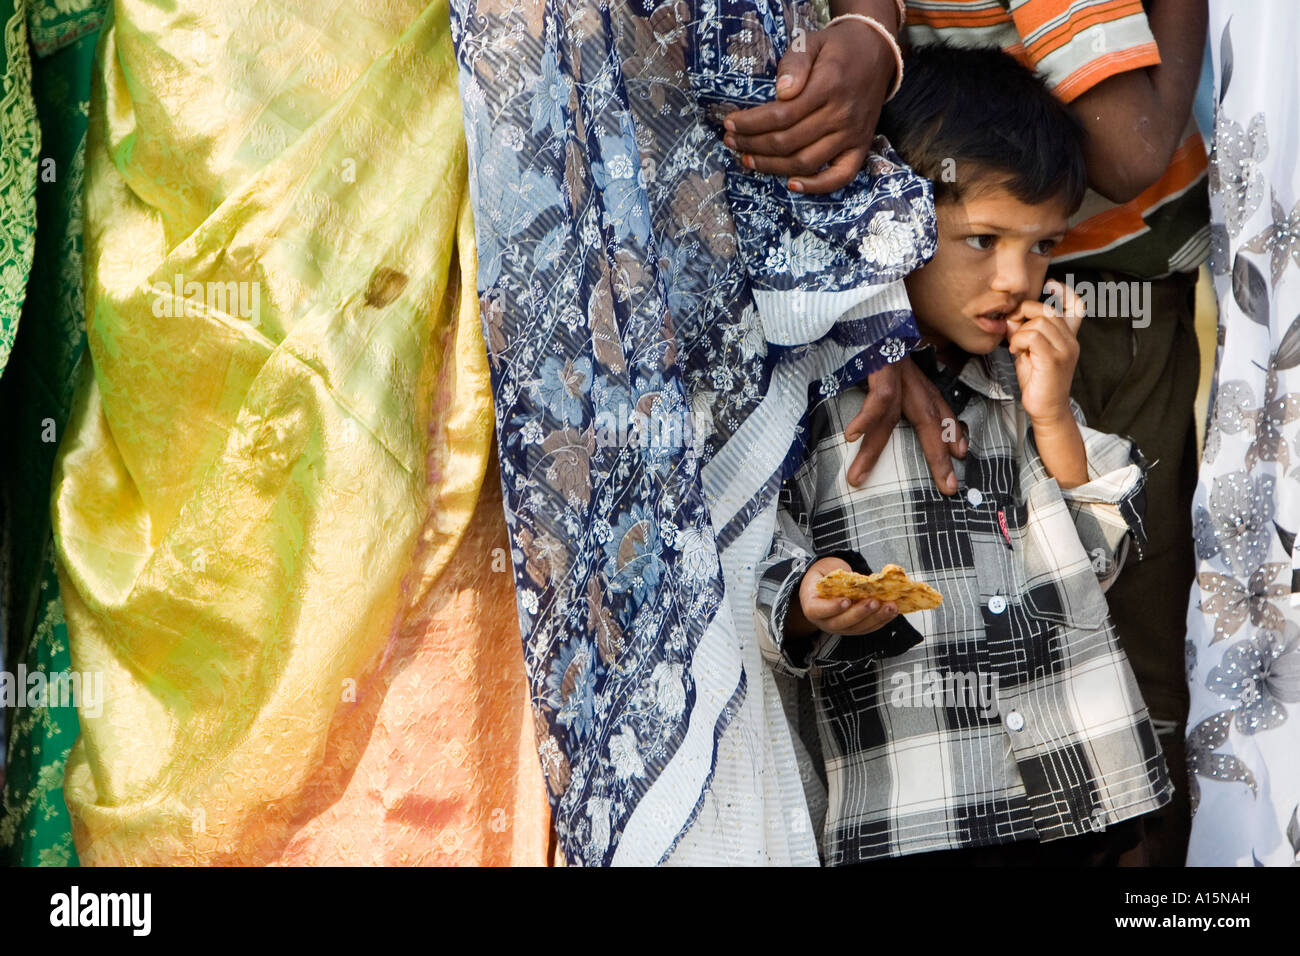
657 319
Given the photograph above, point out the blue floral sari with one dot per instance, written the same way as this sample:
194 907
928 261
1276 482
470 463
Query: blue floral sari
658 320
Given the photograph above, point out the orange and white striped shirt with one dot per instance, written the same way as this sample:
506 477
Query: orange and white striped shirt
1074 45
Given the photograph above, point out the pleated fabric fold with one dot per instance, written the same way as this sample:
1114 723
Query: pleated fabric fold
275 456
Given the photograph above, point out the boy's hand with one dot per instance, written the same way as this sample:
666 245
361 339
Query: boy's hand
828 101
1046 350
835 615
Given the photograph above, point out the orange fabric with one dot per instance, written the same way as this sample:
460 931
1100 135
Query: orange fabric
1103 68
449 774
1035 14
1121 222
956 17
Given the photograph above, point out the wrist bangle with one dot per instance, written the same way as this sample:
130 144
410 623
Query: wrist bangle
902 14
888 37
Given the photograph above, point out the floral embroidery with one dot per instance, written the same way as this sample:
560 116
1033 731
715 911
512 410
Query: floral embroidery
623 255
888 243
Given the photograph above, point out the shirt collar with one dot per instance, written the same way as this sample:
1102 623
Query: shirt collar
992 375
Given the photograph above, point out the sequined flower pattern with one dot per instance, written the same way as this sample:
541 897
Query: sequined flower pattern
1235 411
1232 411
1238 525
1278 409
1280 239
1234 168
1231 602
1257 676
1204 759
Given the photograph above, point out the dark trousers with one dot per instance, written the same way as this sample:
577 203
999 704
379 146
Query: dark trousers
1141 382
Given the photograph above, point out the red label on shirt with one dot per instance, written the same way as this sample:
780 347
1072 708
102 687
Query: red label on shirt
1002 523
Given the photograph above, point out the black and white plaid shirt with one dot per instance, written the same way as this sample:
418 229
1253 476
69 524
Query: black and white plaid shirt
1017 715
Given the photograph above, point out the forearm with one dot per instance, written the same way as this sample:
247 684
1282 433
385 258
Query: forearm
1060 446
797 625
1179 27
1135 120
886 11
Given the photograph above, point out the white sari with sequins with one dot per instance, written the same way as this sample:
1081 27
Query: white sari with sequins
1243 642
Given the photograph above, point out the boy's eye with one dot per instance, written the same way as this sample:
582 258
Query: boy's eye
1044 247
983 242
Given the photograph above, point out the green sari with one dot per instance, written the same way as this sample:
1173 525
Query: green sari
19 142
35 399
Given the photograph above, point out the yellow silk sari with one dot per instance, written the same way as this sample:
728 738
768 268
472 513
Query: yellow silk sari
265 502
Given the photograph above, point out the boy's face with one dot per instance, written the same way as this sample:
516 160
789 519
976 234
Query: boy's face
992 255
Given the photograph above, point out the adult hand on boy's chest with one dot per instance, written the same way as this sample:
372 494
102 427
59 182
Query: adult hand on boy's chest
897 391
825 112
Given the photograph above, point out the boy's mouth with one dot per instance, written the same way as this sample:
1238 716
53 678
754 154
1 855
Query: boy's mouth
993 321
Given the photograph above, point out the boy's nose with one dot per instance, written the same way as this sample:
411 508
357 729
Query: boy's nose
1012 277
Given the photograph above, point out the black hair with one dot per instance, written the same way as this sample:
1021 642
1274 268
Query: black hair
964 107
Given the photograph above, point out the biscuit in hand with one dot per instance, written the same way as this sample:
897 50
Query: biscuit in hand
891 583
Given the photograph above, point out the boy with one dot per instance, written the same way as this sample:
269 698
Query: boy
1009 713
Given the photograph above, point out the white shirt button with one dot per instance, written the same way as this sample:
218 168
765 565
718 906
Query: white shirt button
1015 721
997 604
975 497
